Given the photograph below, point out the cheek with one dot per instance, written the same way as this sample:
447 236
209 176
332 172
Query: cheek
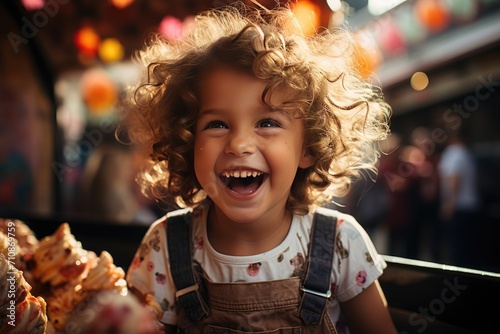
204 165
200 147
199 159
283 157
204 158
289 150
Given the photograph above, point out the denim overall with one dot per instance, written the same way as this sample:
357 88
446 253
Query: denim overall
293 305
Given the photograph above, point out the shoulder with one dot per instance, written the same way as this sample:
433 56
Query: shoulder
353 244
161 222
344 221
178 212
348 231
356 262
158 229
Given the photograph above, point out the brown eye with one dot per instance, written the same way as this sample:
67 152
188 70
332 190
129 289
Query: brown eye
268 123
215 125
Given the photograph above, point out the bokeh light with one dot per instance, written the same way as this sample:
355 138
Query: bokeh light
366 55
419 81
121 3
433 14
33 4
170 27
111 50
307 14
87 41
99 92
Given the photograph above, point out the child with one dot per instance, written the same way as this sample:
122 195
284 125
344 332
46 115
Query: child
251 126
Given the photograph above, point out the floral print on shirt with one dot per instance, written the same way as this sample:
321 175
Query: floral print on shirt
150 266
281 257
144 251
160 278
253 269
361 278
368 257
297 263
356 262
198 243
154 242
135 263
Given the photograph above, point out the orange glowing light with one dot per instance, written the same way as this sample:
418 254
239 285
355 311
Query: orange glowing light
121 3
111 50
307 14
433 14
87 41
366 58
99 92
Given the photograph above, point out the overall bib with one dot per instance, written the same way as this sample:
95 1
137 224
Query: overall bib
293 305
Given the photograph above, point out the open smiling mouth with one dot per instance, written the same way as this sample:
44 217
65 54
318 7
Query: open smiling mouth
243 182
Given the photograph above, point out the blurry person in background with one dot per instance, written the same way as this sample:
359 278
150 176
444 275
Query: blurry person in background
109 189
460 202
397 176
106 185
424 156
369 202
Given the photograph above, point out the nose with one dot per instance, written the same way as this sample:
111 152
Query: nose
240 143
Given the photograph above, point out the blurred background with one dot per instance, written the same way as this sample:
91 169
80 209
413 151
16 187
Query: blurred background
65 64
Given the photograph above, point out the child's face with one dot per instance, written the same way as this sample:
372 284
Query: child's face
246 155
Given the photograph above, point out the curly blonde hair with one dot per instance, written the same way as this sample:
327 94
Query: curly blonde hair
344 115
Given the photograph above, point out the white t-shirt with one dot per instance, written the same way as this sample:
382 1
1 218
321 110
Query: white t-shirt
456 160
356 263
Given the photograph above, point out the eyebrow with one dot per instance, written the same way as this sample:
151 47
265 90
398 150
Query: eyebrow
265 109
209 111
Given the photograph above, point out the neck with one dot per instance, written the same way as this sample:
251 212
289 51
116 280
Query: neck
243 239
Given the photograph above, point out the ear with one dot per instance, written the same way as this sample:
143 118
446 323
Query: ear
306 160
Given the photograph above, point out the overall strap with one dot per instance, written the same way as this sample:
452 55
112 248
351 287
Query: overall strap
181 267
316 281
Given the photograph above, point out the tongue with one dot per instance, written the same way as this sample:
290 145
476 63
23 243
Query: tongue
244 185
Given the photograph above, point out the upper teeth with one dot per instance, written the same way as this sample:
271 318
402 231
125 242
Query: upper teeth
241 173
